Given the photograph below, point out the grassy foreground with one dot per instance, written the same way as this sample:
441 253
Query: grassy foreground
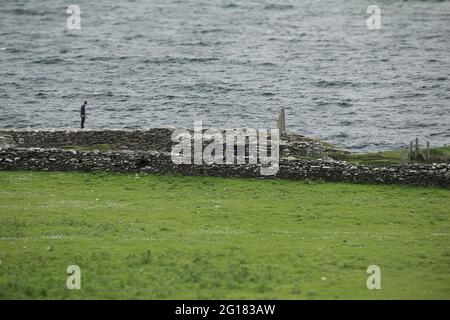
169 237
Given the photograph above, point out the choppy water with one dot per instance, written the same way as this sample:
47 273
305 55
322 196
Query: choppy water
231 63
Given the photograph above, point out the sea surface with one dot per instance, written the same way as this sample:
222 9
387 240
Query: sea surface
231 63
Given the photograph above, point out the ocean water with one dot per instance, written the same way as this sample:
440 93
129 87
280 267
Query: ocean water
231 63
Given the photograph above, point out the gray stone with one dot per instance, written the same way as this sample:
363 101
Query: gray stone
149 151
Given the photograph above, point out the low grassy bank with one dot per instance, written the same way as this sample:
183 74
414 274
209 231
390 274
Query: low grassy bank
392 157
169 237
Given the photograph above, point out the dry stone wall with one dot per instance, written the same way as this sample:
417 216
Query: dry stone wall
19 151
161 162
157 139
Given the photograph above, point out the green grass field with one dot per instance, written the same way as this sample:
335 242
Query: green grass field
173 237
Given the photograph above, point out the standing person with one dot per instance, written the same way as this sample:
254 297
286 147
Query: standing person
83 114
